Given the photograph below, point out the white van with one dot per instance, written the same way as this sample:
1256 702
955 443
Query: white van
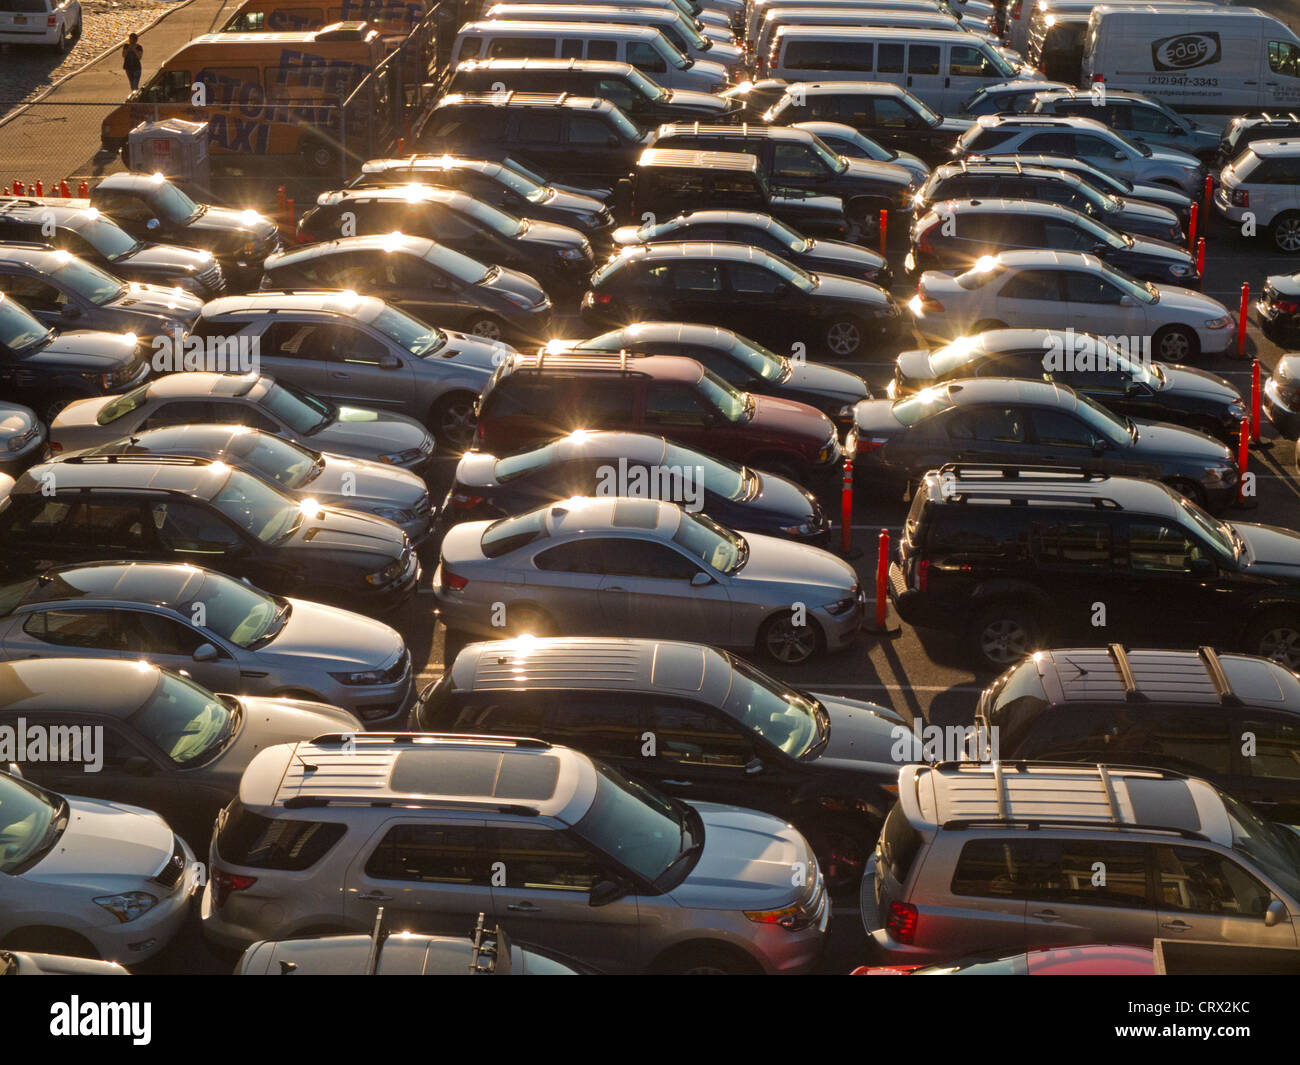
756 11
922 16
662 15
643 46
1209 62
1027 17
941 67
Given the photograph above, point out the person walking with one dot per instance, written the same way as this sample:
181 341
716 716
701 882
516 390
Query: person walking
132 53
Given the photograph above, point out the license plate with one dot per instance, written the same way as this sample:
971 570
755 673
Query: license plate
20 20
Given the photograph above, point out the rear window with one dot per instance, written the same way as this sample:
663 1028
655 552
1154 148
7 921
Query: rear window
1017 701
510 534
899 844
25 7
259 842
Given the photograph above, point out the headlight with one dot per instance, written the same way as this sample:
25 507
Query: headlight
1237 409
1222 322
400 458
1182 270
807 528
393 514
368 676
517 299
127 906
845 413
100 380
386 575
842 606
21 440
1225 475
589 220
791 918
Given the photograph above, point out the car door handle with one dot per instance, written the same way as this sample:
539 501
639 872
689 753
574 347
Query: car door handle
1047 915
1176 926
376 896
340 376
614 588
524 907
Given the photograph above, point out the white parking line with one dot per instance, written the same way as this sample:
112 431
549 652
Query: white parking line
896 687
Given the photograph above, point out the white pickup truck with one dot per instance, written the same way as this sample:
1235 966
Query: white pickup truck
52 24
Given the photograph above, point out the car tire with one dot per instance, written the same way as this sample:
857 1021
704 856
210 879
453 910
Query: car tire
1190 489
486 327
76 36
1175 343
55 403
63 44
1284 231
708 959
50 941
780 640
985 324
528 620
845 337
1004 633
1276 635
452 421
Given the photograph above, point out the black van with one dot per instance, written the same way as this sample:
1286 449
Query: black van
1013 560
692 721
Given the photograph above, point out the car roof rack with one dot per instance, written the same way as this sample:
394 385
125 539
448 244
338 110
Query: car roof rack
1015 472
149 459
1125 670
1060 763
1219 676
345 739
424 802
1036 823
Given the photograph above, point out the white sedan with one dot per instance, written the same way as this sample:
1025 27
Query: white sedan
1025 289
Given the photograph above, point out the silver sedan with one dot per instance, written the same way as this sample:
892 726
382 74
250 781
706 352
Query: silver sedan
639 567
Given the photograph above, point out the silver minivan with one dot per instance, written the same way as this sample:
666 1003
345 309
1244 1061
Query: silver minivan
642 46
558 850
994 856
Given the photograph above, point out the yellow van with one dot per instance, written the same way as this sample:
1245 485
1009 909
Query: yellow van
262 94
389 17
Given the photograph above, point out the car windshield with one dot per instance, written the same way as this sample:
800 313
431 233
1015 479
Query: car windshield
512 466
732 404
647 88
924 110
1273 849
18 329
625 125
836 162
1219 533
89 282
767 364
186 721
1143 292
788 272
787 236
717 476
461 267
173 205
256 507
236 611
925 404
119 405
1095 197
106 237
510 534
1138 146
419 339
645 831
301 412
719 548
30 822
782 716
498 221
275 460
1100 420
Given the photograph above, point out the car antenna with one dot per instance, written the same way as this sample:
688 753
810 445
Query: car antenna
306 766
286 967
1082 672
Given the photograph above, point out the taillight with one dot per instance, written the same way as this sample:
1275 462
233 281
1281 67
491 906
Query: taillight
55 447
224 883
902 921
465 501
453 581
602 298
922 574
928 302
865 447
51 20
1097 78
1287 306
480 434
1240 198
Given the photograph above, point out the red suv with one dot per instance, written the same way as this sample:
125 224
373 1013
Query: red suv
534 398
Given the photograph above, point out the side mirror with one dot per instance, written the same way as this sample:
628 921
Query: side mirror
390 362
1201 567
753 766
1118 155
152 224
70 311
205 652
612 141
1127 301
138 766
701 580
1275 914
603 892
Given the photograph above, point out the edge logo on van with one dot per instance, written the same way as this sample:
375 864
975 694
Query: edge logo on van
1185 51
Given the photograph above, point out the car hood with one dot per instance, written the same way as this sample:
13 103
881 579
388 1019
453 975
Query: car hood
953 125
572 202
346 482
464 349
270 721
1271 547
746 862
827 381
167 259
324 635
1160 194
161 300
1172 157
221 221
836 255
780 496
849 289
884 173
371 432
1285 284
552 234
1186 301
103 841
516 283
348 531
787 418
1161 438
1158 249
1152 215
92 348
1190 381
780 561
867 737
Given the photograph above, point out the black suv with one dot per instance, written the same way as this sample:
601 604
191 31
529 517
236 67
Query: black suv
1195 712
667 182
722 730
551 253
110 507
636 94
797 159
496 182
92 236
1244 130
1008 177
579 138
888 114
1013 560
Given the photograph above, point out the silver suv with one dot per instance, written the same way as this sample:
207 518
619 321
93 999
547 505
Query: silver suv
998 856
558 850
1086 139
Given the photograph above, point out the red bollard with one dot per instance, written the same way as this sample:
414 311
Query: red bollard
401 146
846 508
1241 318
1191 228
1243 457
1205 199
882 578
63 189
18 187
83 190
1200 258
40 188
884 229
1255 402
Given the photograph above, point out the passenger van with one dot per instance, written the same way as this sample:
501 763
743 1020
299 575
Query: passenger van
268 94
1210 62
643 46
919 17
1027 18
976 20
389 17
941 67
662 15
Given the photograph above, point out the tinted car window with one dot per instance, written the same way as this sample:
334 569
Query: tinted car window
1202 881
1067 871
543 859
689 734
446 854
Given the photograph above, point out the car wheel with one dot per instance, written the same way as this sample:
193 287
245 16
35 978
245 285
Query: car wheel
54 404
1190 489
528 621
453 422
50 941
76 35
844 337
1276 636
61 46
1175 343
986 324
1003 634
487 327
1285 232
842 846
708 960
781 640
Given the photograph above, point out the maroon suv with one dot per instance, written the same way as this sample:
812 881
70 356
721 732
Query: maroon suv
532 399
